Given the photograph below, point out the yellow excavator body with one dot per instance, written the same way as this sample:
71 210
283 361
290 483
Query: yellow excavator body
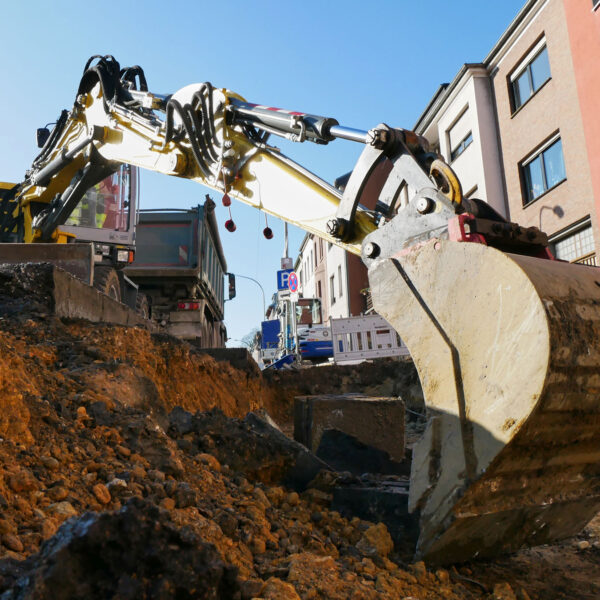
506 340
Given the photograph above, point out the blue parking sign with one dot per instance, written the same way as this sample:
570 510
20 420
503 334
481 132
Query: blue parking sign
282 279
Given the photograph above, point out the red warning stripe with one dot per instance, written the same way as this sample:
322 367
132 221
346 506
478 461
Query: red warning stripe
275 109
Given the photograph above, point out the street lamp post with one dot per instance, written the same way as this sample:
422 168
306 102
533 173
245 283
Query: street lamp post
557 210
258 284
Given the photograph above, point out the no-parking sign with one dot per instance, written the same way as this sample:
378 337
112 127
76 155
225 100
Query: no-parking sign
293 282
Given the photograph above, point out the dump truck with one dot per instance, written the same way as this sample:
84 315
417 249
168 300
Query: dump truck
179 269
506 340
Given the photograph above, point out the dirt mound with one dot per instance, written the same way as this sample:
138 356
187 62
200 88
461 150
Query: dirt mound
94 417
121 555
250 446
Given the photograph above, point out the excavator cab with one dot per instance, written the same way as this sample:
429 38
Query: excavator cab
106 215
106 218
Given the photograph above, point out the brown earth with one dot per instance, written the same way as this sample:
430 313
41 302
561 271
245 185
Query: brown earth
88 425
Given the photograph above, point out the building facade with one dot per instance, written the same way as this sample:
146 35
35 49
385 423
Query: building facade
519 128
583 23
547 171
460 123
311 268
329 273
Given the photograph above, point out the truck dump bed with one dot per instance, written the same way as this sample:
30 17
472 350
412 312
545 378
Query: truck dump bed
167 245
179 266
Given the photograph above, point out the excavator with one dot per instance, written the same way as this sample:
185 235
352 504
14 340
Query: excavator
505 338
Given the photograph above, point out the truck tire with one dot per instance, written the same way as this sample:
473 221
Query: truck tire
106 281
142 306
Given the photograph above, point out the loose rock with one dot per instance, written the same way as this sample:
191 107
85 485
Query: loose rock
102 494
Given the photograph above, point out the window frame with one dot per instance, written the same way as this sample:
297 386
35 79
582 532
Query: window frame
462 113
538 152
524 65
461 146
332 289
572 230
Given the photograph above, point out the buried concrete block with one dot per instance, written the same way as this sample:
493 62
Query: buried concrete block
376 422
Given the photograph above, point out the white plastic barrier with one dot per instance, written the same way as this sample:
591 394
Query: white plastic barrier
361 338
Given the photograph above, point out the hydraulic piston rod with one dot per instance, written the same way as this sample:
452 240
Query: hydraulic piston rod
297 125
349 133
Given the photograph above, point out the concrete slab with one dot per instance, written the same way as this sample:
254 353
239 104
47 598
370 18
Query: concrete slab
74 299
374 421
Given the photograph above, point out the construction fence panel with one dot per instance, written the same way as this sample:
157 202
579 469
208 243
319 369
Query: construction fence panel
365 337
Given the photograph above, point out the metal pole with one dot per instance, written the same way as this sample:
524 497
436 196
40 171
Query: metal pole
261 289
285 240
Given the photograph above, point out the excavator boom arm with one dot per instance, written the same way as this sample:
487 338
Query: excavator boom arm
216 138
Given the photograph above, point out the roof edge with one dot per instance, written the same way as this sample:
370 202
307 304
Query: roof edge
508 32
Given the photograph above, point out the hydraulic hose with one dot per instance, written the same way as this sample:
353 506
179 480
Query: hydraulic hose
172 106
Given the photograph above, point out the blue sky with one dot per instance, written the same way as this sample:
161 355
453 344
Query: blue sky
360 62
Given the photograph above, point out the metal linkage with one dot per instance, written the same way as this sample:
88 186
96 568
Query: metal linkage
410 160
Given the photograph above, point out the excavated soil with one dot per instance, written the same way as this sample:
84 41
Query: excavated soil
129 469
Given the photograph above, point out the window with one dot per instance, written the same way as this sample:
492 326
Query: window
105 205
460 134
543 171
319 294
531 76
340 290
576 244
332 289
462 146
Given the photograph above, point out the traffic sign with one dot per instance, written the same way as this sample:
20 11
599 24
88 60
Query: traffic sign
282 279
293 281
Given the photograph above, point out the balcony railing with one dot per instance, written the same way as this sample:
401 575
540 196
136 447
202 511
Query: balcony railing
366 293
587 259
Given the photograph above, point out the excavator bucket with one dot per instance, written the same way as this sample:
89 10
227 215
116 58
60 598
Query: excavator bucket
508 352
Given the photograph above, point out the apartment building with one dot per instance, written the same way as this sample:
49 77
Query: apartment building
583 23
460 123
520 130
547 171
329 273
311 268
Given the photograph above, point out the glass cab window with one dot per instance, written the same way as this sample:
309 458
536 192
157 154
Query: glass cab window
106 204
